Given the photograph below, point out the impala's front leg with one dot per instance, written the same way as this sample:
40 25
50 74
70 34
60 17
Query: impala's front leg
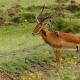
58 56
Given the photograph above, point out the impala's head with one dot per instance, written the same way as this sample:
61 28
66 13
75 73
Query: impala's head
40 24
37 29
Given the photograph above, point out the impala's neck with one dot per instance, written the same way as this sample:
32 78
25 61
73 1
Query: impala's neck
44 35
44 31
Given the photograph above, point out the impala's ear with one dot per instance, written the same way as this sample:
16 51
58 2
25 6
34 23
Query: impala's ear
57 33
46 27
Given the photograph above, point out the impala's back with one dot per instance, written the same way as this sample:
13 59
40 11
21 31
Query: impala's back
69 37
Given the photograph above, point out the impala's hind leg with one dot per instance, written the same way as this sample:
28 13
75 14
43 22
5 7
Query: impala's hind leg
77 49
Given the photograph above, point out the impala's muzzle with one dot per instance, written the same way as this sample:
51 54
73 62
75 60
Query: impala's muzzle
36 32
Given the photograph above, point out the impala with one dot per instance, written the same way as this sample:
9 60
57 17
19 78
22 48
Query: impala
56 40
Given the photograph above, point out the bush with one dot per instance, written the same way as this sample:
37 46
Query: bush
77 14
73 6
66 24
23 17
60 1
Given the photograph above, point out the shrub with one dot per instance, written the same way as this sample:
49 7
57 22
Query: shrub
23 17
59 1
66 24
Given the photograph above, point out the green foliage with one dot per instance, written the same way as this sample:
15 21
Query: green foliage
61 1
66 24
77 14
23 17
40 58
19 65
70 73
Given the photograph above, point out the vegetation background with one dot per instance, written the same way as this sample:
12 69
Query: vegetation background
24 57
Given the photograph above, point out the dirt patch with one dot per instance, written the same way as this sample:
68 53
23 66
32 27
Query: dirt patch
8 76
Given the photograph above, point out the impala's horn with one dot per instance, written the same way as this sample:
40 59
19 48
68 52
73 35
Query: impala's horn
37 17
47 17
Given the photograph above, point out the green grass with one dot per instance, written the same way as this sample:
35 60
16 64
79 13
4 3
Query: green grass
13 41
15 37
70 73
